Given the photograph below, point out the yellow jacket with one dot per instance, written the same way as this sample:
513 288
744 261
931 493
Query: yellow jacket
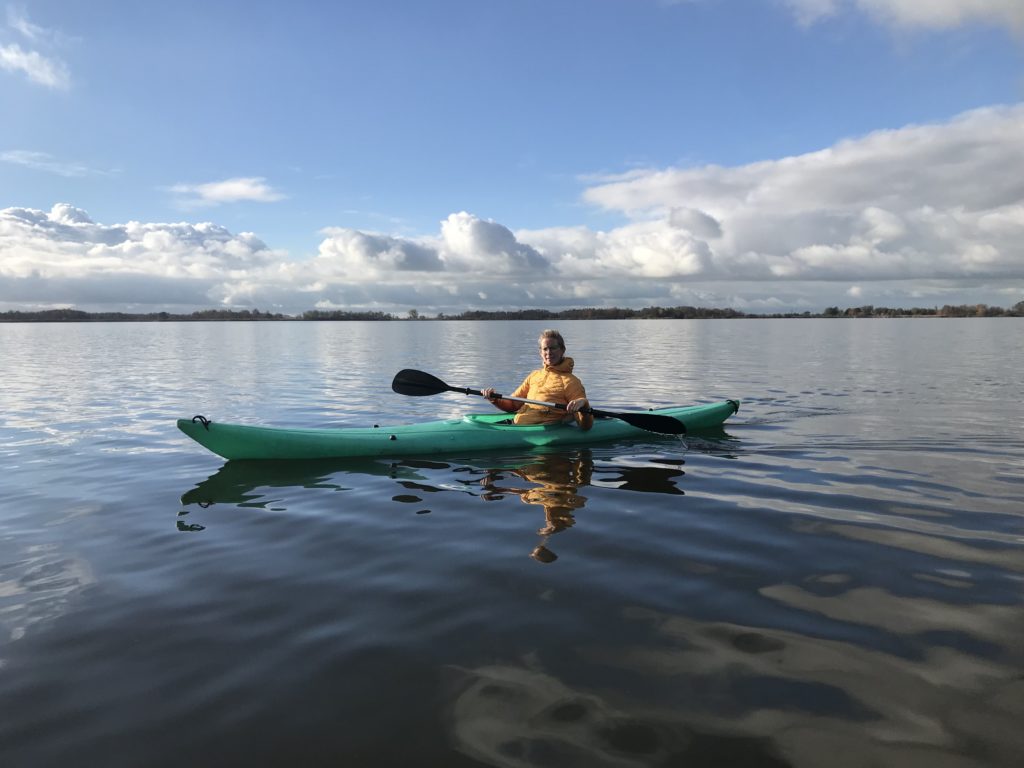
553 384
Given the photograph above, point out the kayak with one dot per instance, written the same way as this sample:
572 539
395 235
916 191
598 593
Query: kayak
471 433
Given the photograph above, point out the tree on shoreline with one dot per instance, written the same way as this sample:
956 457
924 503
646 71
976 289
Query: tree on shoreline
68 315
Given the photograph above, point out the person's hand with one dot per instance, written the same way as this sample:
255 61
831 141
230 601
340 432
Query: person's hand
489 393
577 404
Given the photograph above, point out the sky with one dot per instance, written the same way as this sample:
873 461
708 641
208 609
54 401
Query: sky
452 155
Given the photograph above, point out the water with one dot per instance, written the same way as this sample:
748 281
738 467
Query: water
835 579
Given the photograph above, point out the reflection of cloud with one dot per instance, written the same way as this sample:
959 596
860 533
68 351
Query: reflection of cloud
940 545
900 614
728 694
38 587
515 717
885 709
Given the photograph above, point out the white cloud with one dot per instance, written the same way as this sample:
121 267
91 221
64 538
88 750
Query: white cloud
41 161
362 256
38 67
42 70
484 246
929 14
63 256
696 222
250 188
918 216
809 11
18 20
467 246
923 201
643 250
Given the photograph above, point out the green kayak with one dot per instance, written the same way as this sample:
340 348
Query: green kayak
471 433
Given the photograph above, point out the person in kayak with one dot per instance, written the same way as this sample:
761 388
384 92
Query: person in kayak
553 383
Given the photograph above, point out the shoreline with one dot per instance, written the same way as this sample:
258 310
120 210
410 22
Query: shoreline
614 313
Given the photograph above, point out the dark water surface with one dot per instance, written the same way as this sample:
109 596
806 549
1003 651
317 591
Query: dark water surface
834 579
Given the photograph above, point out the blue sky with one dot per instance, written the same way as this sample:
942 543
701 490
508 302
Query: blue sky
767 155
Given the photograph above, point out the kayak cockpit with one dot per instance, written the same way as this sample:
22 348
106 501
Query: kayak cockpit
503 422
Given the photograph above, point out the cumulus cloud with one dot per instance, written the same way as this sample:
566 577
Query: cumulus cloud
363 256
915 216
467 246
249 188
926 201
476 245
642 250
64 255
929 14
203 264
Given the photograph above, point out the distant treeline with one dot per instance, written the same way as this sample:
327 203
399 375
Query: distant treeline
78 316
696 313
961 310
613 313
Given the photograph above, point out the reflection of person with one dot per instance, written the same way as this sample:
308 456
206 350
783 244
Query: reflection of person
556 480
552 383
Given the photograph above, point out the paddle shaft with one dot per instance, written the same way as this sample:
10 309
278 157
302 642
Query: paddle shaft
496 396
418 384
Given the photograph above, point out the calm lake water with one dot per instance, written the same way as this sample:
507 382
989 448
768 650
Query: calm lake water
833 580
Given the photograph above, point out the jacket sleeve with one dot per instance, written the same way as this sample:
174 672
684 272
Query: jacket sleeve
510 406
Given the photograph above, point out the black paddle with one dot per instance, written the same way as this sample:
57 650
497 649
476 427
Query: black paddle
420 384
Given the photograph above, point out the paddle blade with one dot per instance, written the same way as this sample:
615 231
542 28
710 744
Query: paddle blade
417 383
650 422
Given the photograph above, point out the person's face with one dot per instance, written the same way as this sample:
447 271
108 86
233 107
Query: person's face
550 352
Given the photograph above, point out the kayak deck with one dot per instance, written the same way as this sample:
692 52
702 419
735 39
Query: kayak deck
473 432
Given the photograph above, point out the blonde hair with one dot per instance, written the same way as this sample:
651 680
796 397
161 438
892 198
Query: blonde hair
552 334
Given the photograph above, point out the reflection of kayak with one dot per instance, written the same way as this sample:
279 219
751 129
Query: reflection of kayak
474 432
237 481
